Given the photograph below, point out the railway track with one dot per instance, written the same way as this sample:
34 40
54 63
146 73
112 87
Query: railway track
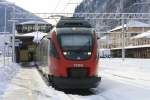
44 77
129 80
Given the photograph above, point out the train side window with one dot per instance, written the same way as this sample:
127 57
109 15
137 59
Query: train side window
53 51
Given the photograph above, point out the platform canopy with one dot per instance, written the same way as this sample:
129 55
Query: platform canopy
37 36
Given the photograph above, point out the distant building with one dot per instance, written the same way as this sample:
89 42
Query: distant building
131 29
136 45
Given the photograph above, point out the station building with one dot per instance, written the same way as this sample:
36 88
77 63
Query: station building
136 38
27 37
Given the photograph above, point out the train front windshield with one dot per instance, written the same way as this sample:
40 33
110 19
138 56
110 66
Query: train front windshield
76 46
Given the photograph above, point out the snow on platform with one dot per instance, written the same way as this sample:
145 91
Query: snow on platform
28 85
6 74
25 85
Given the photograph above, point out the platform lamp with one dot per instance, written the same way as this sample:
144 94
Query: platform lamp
13 39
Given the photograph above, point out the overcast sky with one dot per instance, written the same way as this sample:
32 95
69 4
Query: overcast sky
47 6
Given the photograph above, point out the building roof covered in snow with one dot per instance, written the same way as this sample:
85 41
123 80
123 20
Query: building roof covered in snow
142 35
132 47
37 36
131 23
34 22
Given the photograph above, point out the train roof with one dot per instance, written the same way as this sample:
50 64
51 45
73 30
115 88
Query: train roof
74 30
73 22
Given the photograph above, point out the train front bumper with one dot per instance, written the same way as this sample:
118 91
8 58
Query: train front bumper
76 83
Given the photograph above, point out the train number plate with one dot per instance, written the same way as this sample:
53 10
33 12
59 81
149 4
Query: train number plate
78 65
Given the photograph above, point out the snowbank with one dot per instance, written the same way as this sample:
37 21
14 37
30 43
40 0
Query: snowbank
6 74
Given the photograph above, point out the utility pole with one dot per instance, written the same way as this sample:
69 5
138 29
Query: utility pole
123 38
13 36
13 39
13 43
123 31
5 34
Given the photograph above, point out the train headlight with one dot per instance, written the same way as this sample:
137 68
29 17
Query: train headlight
89 53
65 53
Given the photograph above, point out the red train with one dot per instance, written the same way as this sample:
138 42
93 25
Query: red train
73 55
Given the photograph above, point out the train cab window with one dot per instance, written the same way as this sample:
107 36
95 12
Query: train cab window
53 51
76 46
76 42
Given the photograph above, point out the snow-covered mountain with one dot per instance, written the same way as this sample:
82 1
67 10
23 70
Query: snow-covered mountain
112 6
9 10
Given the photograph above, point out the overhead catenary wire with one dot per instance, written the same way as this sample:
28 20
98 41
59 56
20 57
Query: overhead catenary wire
70 2
55 10
93 15
76 2
57 6
65 6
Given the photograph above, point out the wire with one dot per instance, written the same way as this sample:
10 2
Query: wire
70 3
57 5
65 6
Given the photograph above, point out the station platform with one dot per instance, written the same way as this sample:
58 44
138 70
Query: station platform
26 85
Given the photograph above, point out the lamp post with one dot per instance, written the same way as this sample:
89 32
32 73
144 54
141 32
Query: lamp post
13 36
13 39
123 31
5 26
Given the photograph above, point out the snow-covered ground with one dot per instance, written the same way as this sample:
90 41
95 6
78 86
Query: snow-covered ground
136 70
7 72
121 80
124 80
